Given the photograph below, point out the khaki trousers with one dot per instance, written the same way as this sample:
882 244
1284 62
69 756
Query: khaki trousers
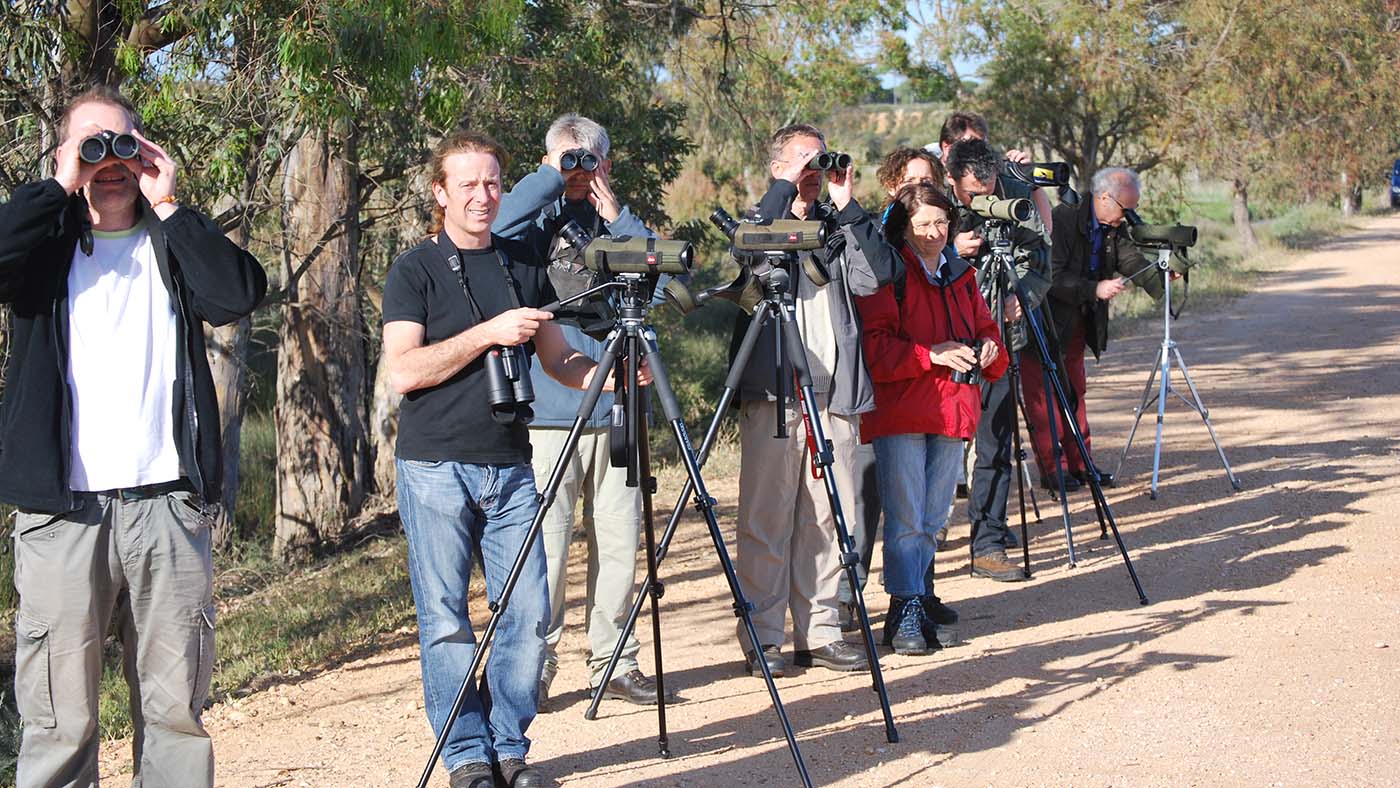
612 519
788 561
148 561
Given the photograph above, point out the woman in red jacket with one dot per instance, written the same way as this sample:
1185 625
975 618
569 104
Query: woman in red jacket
916 338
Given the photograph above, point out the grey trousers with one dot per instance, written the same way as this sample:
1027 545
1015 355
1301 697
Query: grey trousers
148 561
612 519
788 560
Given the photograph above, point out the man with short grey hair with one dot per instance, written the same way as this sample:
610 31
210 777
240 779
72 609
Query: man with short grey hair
1092 261
573 184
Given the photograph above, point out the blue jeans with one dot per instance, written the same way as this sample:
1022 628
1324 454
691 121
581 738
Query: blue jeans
451 513
917 476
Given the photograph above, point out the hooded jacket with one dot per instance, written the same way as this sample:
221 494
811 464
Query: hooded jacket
913 395
209 279
858 261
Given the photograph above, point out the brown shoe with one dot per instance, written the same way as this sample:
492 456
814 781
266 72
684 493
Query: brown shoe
997 567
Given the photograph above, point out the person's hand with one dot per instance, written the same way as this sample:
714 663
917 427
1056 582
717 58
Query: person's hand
157 176
552 157
1173 275
1109 288
610 385
793 169
601 195
968 244
1019 156
71 172
840 184
515 327
1011 309
989 353
954 355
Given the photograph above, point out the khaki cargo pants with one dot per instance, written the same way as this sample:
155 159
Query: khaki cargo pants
148 561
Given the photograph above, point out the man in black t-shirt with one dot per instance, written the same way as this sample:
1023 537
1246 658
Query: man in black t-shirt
465 484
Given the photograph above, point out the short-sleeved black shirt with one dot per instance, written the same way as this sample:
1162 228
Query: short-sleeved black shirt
452 420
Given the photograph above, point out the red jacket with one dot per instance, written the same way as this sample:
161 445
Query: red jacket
912 394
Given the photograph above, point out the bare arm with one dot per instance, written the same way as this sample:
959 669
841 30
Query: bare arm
414 365
562 362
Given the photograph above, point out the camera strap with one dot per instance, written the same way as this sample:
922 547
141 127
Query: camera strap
817 472
450 254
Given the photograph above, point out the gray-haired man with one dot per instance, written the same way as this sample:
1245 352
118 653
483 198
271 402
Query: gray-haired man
570 186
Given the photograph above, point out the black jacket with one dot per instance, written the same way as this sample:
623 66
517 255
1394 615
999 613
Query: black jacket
209 279
1032 265
1072 287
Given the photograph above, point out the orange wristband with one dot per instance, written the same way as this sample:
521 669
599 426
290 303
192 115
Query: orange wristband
169 198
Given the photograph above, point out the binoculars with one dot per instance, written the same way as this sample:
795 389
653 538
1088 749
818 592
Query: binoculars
830 161
1045 174
508 384
109 143
578 159
972 377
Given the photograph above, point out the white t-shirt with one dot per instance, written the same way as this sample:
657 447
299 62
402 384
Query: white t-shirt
121 365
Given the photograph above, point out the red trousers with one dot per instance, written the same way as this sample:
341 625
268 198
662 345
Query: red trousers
1039 403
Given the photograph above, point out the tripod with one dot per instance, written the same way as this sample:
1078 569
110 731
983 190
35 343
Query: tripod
998 234
1163 365
997 261
629 341
776 303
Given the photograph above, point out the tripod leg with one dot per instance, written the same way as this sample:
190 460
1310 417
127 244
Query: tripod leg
742 607
1205 416
1166 385
1050 376
762 314
498 607
850 559
1141 408
642 452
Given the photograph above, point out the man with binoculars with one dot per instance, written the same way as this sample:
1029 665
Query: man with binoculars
465 486
973 171
572 184
1092 259
787 549
110 448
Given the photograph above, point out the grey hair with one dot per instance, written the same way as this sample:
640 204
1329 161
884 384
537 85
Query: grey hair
578 130
1114 180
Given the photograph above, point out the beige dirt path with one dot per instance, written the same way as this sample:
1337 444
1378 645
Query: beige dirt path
1269 655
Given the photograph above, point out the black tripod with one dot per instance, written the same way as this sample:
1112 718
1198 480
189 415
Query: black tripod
777 304
997 260
630 341
998 234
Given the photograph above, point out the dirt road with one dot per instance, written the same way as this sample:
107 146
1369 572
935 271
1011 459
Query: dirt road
1269 655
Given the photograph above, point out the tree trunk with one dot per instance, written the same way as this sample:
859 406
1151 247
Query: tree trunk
1351 196
321 445
1242 218
228 363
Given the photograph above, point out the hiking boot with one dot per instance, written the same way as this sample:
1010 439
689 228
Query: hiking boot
772 655
634 687
937 612
998 567
1052 485
837 655
907 634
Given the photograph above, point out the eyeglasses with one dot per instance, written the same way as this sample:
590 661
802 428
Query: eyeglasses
938 224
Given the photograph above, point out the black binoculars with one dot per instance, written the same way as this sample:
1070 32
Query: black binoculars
508 384
830 161
109 143
972 377
578 159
